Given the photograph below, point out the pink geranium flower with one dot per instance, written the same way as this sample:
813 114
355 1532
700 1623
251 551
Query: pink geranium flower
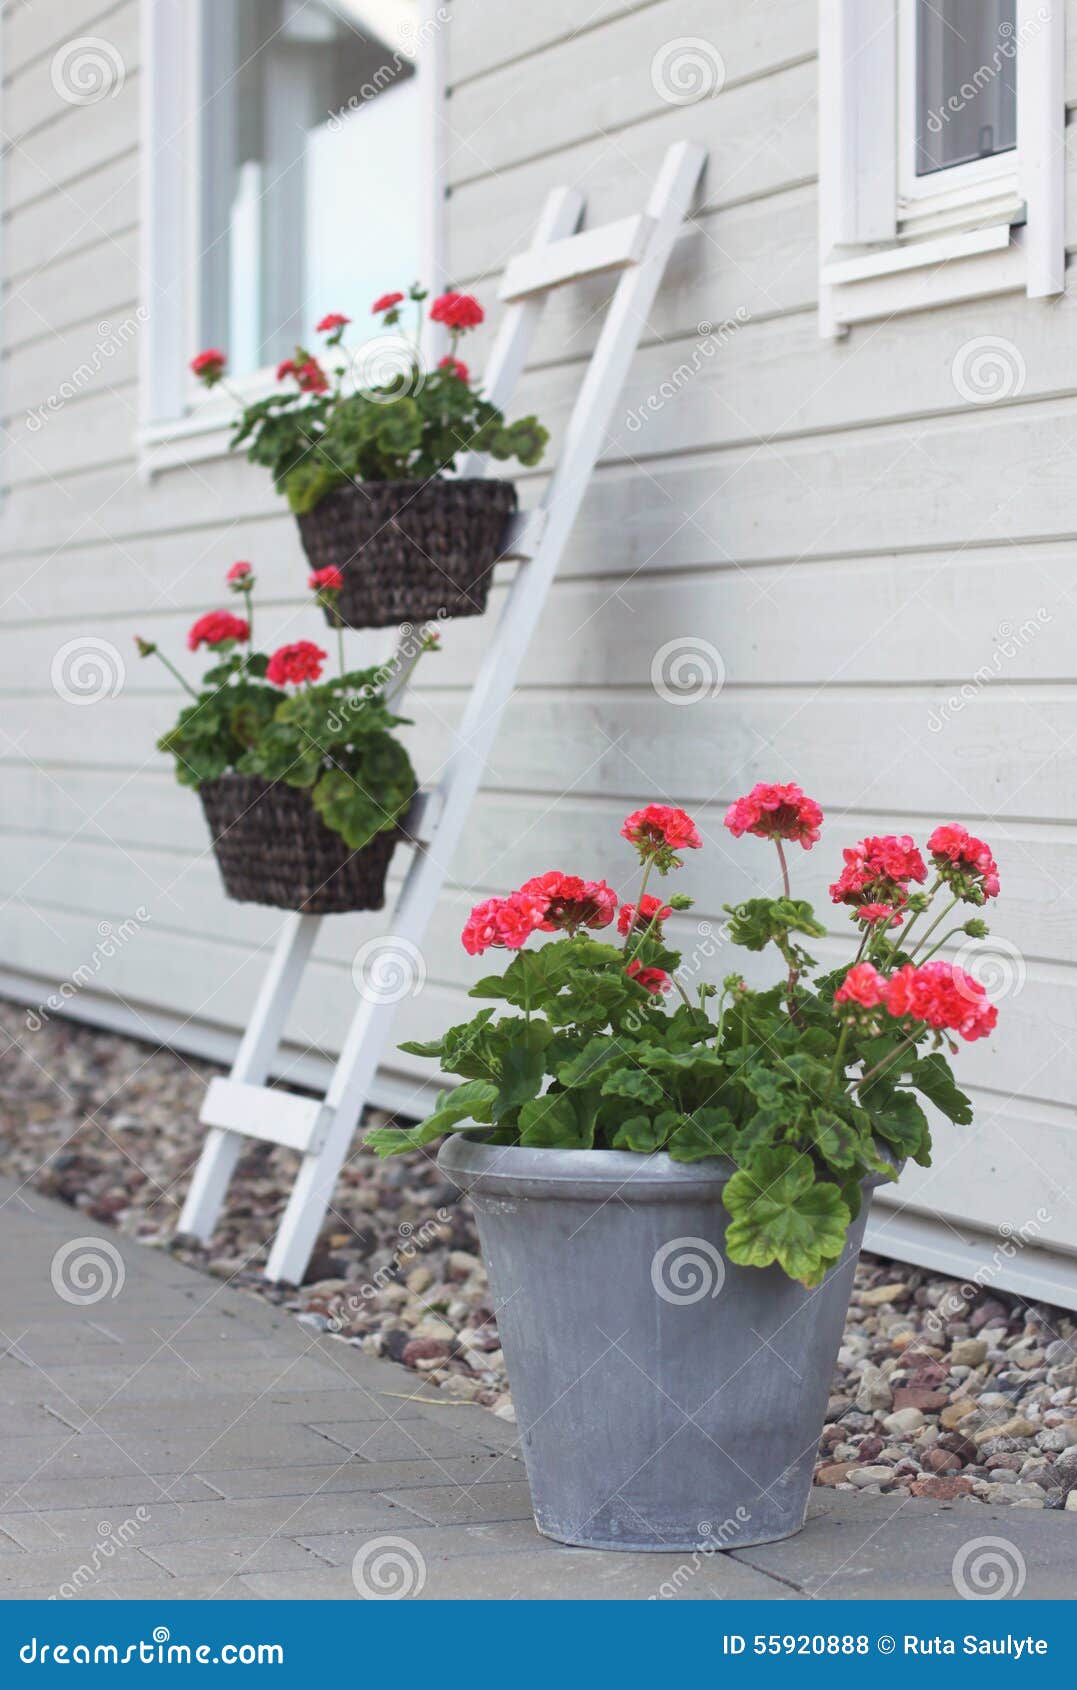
863 985
965 862
776 812
570 902
944 996
215 628
653 980
294 664
506 923
658 832
650 909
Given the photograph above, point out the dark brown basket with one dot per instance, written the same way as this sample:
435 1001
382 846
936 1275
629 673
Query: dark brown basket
272 847
409 551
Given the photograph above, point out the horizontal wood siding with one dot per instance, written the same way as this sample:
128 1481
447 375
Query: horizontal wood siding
878 569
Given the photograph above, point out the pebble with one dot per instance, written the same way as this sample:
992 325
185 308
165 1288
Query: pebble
968 1352
939 1390
878 1294
904 1420
861 1477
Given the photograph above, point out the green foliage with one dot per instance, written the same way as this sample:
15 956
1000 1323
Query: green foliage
808 1105
334 739
406 430
780 1212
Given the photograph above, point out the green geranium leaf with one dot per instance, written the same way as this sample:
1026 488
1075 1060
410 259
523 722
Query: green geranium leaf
559 1121
931 1075
706 1132
759 921
779 1212
472 1102
634 1084
899 1119
523 1066
644 1134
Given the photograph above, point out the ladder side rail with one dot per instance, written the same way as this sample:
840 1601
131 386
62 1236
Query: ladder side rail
257 1048
372 1023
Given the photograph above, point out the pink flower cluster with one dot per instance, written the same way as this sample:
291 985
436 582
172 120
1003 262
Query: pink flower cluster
638 918
570 902
551 902
964 862
295 664
937 992
658 832
215 628
776 812
876 877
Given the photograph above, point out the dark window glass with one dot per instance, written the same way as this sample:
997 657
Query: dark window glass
966 81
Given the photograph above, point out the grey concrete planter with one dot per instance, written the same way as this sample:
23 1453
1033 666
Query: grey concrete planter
666 1398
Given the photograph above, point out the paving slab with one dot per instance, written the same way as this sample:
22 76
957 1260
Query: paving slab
220 1450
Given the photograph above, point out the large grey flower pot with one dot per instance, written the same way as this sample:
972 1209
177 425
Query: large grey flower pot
666 1398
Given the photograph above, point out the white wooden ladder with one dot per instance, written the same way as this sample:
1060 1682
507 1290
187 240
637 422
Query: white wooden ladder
243 1107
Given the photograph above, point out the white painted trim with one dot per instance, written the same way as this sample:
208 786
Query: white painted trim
973 1257
979 208
1041 140
916 256
919 196
180 422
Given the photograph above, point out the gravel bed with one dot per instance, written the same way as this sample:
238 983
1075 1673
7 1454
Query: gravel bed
942 1389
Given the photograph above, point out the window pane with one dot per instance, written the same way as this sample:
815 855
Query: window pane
966 81
311 198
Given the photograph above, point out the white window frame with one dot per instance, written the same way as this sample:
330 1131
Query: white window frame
181 422
984 227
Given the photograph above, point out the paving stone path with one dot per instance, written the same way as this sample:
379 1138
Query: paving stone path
167 1436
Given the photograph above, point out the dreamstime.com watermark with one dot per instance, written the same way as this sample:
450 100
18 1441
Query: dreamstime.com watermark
687 670
713 1540
988 1569
686 70
110 341
87 1270
710 343
111 941
687 1270
412 1243
157 1650
413 39
110 1540
86 70
1008 41
388 1569
1008 642
957 1299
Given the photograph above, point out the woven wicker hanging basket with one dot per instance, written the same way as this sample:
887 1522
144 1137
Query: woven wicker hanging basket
272 847
409 551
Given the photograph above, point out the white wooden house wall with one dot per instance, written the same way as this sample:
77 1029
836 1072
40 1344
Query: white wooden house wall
778 504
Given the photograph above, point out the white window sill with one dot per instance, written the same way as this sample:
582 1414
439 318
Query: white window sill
919 275
203 431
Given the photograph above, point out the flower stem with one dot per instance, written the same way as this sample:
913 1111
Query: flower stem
340 639
171 667
630 954
837 1067
937 946
785 867
939 919
887 1061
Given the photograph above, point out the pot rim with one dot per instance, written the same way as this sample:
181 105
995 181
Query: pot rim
514 1170
504 1170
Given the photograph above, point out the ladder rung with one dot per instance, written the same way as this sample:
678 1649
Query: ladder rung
611 247
523 531
263 1112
